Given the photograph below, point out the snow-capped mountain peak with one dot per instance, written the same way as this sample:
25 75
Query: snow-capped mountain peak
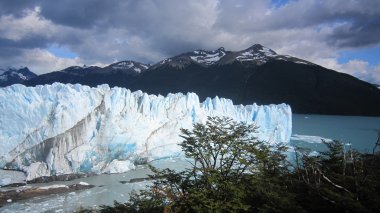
130 66
123 65
13 75
207 57
201 57
72 68
257 53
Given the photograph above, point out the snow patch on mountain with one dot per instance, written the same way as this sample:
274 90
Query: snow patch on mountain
207 57
259 55
268 52
23 77
166 61
256 53
123 65
129 66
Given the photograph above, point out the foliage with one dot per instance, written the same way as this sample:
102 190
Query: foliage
232 171
339 180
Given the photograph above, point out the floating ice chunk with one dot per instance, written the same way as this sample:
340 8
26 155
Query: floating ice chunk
118 166
84 183
309 138
55 186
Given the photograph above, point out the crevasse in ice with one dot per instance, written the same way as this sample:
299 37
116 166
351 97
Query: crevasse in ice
64 128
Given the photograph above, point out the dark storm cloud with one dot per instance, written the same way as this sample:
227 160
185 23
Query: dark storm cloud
16 7
150 30
27 43
81 14
363 31
166 26
354 23
8 52
164 23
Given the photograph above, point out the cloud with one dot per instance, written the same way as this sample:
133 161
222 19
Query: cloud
38 59
81 14
362 70
102 32
16 7
358 68
33 30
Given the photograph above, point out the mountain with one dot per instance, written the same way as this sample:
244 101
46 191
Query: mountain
116 74
254 55
15 76
74 128
127 67
254 75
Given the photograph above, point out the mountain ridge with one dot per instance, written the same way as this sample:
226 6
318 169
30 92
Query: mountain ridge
253 75
13 75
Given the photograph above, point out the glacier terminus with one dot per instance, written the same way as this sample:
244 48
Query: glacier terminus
64 129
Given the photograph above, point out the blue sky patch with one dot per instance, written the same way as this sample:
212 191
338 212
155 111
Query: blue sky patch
61 52
370 54
279 3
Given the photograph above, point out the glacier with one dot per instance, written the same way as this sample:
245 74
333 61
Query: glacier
63 129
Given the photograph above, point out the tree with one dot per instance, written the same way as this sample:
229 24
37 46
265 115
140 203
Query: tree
231 170
221 145
339 179
223 152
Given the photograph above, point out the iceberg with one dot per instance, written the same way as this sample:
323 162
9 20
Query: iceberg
63 129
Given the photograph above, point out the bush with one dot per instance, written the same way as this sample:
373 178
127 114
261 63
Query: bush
232 171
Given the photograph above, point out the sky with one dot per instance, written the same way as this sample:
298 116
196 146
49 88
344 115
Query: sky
50 35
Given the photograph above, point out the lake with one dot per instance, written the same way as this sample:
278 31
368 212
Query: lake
308 130
360 132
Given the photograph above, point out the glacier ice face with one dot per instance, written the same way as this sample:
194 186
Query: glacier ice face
75 128
37 169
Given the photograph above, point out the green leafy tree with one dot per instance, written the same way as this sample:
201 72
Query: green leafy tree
232 171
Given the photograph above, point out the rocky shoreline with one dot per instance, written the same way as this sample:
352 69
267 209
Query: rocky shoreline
17 191
26 192
48 179
66 177
15 188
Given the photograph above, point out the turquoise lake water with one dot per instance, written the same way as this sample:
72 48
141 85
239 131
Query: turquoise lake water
360 132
